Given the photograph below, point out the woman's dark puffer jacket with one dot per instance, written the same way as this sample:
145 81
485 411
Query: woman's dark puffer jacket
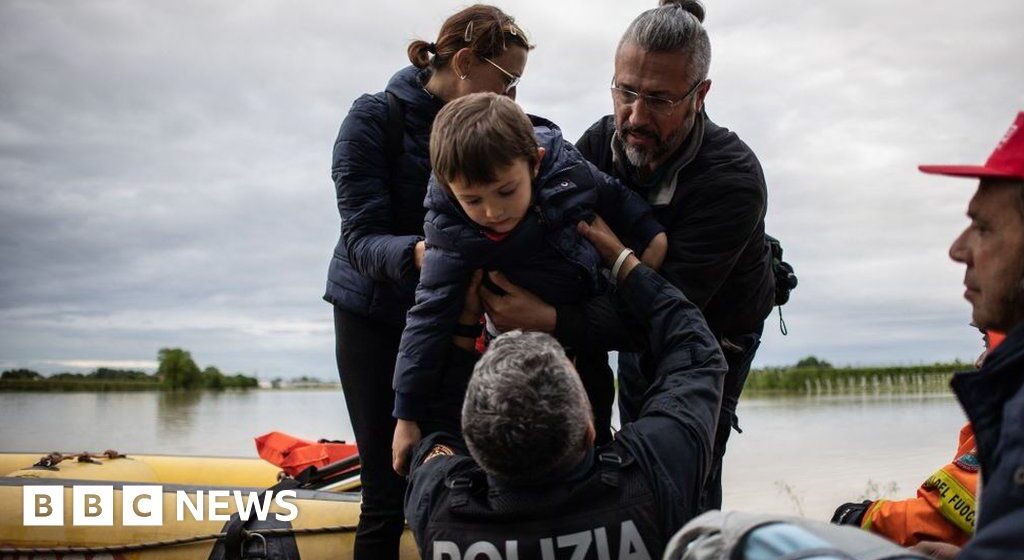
544 254
381 202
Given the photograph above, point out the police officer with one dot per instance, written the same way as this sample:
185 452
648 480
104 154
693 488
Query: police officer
529 483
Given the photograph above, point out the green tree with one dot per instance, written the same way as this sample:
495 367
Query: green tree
213 378
178 370
239 381
20 374
120 374
813 362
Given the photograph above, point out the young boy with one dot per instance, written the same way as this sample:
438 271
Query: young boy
506 194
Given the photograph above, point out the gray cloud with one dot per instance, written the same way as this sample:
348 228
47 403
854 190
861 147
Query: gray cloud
164 166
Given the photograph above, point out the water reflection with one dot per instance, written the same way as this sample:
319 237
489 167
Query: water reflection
176 410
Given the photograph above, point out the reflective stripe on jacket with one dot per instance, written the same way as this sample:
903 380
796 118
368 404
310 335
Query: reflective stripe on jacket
944 509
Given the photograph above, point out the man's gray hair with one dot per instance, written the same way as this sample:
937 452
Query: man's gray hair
676 25
526 414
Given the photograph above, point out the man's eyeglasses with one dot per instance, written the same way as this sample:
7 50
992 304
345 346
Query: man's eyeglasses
513 79
655 104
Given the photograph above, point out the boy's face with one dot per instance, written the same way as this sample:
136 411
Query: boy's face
501 204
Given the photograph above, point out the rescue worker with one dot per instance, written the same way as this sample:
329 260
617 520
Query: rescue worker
992 248
945 507
529 483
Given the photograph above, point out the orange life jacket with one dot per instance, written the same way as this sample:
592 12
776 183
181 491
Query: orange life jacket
294 454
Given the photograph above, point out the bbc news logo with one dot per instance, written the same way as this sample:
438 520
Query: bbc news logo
143 505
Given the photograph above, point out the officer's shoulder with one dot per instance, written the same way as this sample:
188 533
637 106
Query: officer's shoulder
438 450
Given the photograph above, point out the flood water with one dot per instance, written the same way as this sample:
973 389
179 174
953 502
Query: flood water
801 454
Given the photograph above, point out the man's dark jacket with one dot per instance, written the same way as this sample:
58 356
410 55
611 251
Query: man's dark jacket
993 399
544 254
380 201
717 252
644 485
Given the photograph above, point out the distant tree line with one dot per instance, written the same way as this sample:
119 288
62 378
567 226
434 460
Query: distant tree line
813 373
176 371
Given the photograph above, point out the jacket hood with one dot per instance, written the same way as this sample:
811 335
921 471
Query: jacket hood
558 156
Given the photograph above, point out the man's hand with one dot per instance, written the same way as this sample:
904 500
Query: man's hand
655 252
608 245
407 435
518 309
418 251
603 239
851 513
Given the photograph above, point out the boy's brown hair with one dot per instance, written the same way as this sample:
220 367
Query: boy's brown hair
476 135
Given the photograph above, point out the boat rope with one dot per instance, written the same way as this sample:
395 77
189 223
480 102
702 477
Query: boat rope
51 460
117 548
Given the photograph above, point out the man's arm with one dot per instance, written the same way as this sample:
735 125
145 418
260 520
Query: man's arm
598 324
432 459
674 435
629 216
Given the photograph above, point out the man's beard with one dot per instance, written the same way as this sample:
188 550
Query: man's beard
1015 306
1012 306
656 154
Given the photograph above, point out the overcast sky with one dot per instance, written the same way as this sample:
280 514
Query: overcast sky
165 166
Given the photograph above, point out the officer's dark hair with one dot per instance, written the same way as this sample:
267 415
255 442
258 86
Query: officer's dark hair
675 25
526 415
485 30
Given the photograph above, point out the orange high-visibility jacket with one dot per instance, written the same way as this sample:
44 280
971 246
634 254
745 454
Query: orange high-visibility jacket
944 509
946 504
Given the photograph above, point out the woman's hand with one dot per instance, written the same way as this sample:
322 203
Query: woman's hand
518 308
608 246
655 252
418 252
407 435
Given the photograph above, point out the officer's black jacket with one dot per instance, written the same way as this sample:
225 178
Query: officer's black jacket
665 455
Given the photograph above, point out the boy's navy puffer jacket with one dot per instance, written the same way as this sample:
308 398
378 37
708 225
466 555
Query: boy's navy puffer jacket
543 254
381 202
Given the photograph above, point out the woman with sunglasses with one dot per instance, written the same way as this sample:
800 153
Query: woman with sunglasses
380 176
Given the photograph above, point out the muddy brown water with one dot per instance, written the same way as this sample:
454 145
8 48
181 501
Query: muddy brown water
797 454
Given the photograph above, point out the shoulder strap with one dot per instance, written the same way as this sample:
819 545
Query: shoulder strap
395 131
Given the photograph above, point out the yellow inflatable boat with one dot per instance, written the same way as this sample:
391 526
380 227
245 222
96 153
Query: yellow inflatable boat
112 506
